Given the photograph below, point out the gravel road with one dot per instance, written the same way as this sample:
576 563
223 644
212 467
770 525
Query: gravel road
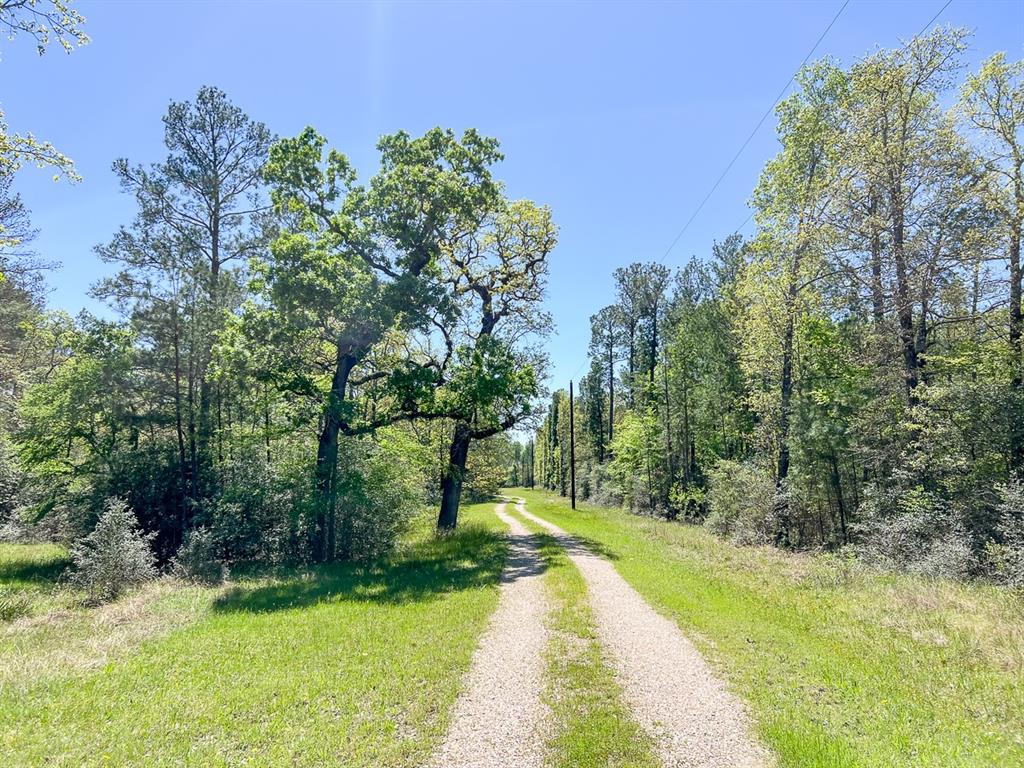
499 719
671 690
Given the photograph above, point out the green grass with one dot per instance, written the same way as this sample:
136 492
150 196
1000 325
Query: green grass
841 666
29 577
353 665
592 728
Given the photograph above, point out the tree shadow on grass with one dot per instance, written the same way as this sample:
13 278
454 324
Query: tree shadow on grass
470 558
45 571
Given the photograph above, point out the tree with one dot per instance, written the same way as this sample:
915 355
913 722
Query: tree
355 270
114 556
790 196
992 102
902 141
44 21
182 259
606 329
502 267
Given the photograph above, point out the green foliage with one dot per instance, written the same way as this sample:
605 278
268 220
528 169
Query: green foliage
44 21
115 556
637 468
1006 556
741 503
910 528
379 494
487 467
199 559
863 350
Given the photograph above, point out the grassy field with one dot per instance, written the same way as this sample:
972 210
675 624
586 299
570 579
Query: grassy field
840 666
29 575
353 665
591 727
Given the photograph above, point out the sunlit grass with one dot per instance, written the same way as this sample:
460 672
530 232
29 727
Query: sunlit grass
840 665
354 665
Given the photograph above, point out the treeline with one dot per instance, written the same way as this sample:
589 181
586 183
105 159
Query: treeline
294 363
851 375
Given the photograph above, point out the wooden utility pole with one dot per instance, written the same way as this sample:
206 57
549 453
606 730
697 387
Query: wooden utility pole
572 447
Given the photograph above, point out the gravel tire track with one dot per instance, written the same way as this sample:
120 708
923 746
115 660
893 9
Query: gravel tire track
673 693
498 720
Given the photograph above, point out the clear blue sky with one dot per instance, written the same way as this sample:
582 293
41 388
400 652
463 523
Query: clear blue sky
618 116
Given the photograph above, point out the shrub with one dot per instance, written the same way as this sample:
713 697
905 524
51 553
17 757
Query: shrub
601 489
377 495
637 465
116 555
741 503
911 530
198 559
1006 557
255 517
9 480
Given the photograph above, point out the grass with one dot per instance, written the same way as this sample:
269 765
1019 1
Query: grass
354 665
841 666
592 727
29 576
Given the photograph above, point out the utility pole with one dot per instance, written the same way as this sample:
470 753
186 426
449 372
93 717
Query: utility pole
572 447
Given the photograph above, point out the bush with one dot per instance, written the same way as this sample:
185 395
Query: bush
911 530
1006 557
9 480
601 489
378 496
198 559
252 518
116 555
741 503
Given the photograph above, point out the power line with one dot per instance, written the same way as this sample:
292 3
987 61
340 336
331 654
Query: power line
757 127
930 22
905 45
743 147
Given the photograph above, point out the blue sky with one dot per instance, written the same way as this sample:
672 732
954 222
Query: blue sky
618 116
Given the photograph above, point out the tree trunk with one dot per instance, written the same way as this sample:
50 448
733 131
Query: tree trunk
183 465
205 427
327 458
785 400
654 347
451 484
668 429
1016 330
877 294
632 363
611 394
837 486
904 306
687 478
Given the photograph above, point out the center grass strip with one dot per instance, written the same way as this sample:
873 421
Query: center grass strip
592 728
349 664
